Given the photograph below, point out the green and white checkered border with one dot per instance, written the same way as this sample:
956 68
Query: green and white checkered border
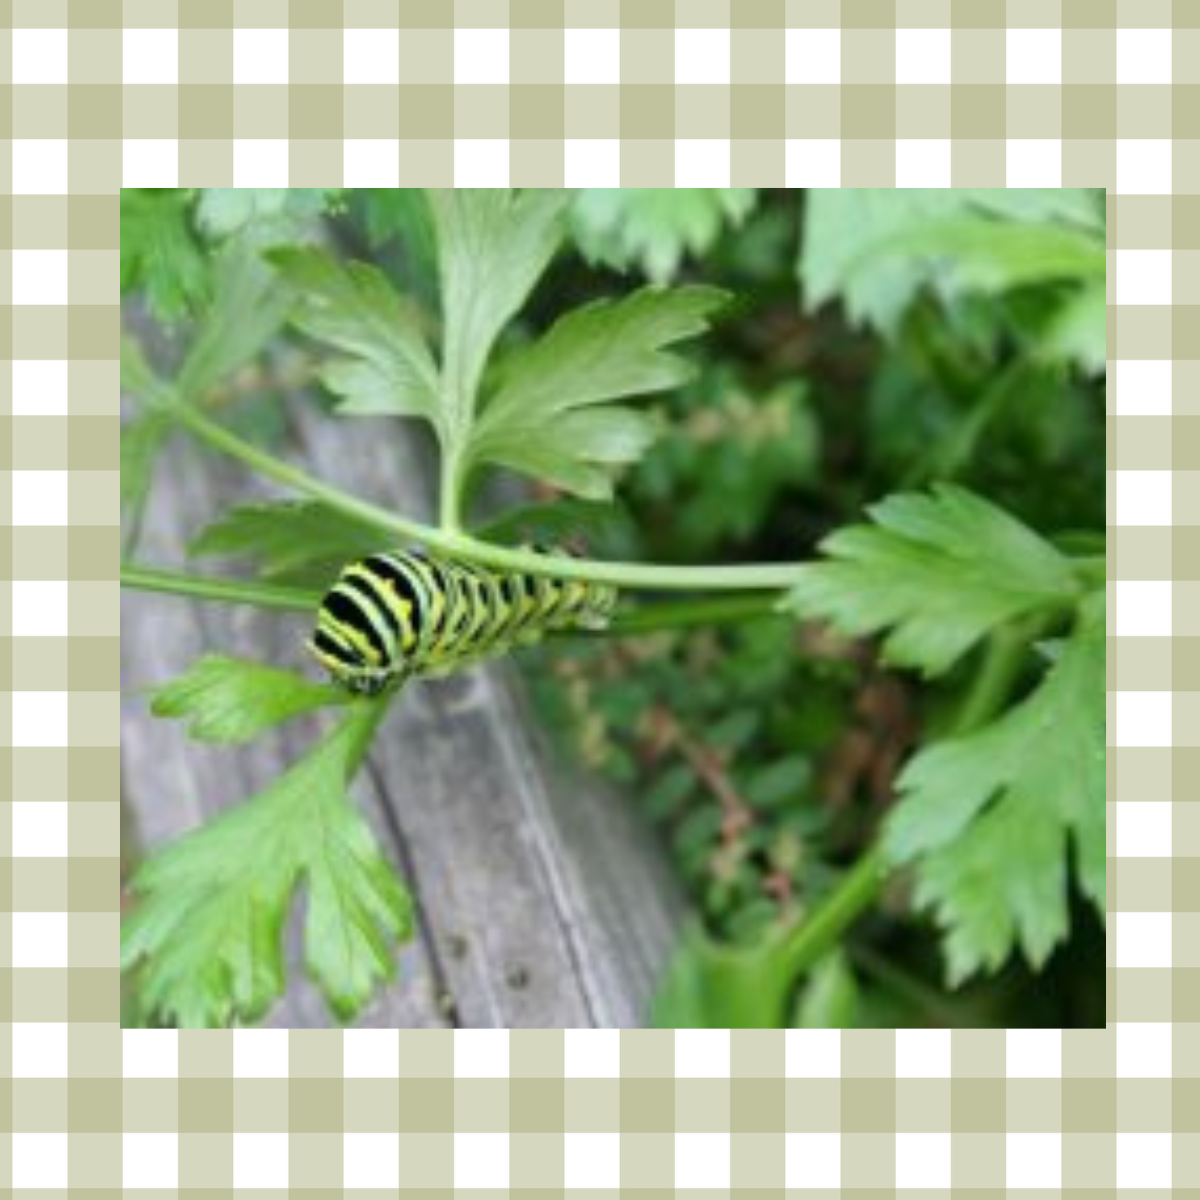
791 93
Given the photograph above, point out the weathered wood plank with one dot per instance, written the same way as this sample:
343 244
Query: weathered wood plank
173 785
542 902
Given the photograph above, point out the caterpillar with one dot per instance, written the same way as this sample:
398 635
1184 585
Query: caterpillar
392 616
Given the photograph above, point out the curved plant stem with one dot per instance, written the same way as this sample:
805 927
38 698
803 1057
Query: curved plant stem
754 577
229 591
227 442
857 890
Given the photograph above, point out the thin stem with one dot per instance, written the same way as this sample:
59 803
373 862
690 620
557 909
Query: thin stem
688 614
646 576
366 723
950 456
1002 663
857 890
650 618
451 487
222 439
752 577
229 591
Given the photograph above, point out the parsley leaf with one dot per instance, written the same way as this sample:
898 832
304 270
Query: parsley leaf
975 254
544 410
270 214
400 213
988 817
851 236
159 252
544 417
493 244
940 571
654 227
247 309
233 700
1078 332
207 926
297 541
388 369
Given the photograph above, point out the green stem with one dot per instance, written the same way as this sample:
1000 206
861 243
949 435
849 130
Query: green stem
229 591
688 614
452 491
753 577
267 465
857 890
951 455
366 723
450 497
649 618
1002 662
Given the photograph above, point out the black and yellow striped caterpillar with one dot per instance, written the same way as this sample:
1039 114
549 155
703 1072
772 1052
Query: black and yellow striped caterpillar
395 615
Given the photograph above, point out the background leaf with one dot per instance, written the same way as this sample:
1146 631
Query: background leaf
247 310
654 227
269 215
973 254
1079 331
402 213
159 252
293 541
557 522
399 226
845 227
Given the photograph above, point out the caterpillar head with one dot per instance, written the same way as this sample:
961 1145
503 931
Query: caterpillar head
346 668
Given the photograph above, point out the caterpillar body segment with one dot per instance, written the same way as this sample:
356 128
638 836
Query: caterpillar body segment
395 615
